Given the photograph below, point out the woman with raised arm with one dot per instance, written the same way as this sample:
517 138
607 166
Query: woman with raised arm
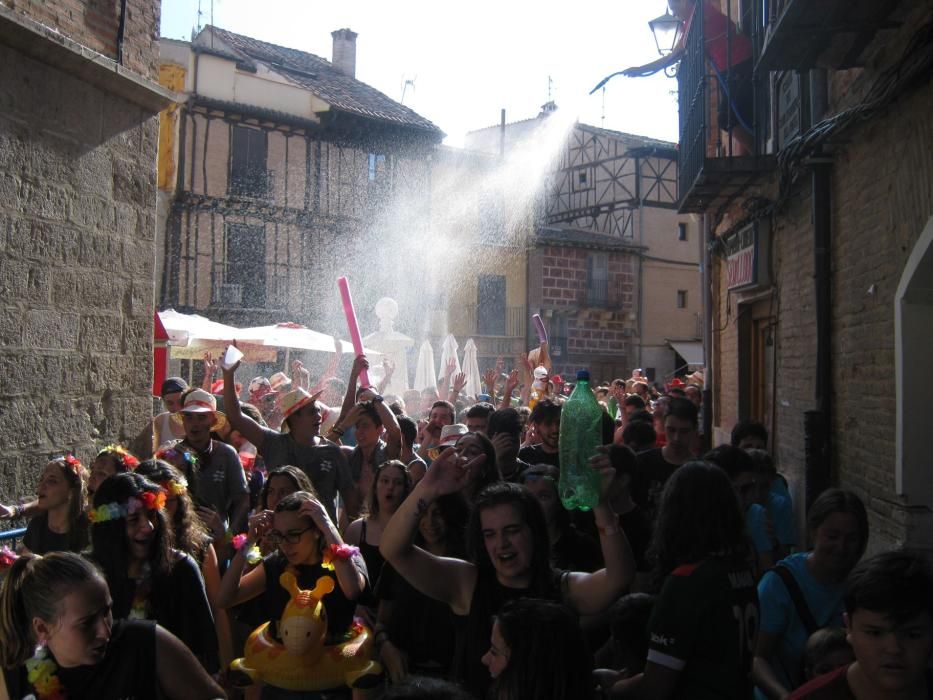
60 640
509 557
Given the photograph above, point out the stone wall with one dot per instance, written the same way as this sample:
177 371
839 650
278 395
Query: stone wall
77 225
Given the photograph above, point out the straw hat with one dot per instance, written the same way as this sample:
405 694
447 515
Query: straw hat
279 381
200 401
451 433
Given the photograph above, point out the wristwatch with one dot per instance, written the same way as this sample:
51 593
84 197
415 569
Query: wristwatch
377 399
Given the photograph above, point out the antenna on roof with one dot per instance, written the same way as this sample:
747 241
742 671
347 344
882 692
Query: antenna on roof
550 84
602 122
198 25
408 82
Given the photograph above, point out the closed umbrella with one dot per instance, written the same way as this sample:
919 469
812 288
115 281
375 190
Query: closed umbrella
474 385
424 371
448 352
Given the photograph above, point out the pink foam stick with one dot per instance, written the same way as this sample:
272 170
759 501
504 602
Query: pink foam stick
352 326
539 326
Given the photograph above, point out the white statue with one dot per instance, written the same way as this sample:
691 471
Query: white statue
392 344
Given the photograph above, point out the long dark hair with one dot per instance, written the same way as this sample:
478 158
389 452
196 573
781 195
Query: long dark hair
76 476
699 516
506 493
190 535
108 539
371 509
294 474
490 470
548 655
34 587
456 514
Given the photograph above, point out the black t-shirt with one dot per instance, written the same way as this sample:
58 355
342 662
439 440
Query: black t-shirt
535 454
39 539
705 626
424 628
128 669
638 530
652 473
576 551
274 599
179 603
474 629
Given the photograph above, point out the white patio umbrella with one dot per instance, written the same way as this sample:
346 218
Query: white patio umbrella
474 385
191 335
424 370
448 351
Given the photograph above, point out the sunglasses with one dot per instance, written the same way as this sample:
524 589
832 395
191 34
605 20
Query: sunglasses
292 536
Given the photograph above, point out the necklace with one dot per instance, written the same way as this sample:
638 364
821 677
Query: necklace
40 672
139 610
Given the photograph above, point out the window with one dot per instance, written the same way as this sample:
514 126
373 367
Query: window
248 174
243 279
681 298
681 231
490 305
597 279
581 180
377 163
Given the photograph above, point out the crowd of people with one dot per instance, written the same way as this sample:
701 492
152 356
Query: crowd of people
426 532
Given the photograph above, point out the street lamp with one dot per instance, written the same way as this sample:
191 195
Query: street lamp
667 31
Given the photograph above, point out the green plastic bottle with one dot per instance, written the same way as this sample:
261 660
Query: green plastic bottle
580 435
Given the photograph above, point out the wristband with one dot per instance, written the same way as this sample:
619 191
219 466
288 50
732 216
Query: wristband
249 550
18 511
378 398
337 431
338 552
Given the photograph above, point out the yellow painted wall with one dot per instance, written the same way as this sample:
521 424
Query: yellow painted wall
171 76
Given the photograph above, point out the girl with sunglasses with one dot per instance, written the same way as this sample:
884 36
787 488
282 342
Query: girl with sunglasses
310 546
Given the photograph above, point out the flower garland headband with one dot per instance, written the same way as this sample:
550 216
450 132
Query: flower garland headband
71 463
147 500
176 487
123 455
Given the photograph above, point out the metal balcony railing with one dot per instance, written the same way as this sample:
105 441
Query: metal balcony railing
713 167
510 324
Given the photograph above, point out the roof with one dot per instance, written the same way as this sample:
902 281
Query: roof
319 76
575 238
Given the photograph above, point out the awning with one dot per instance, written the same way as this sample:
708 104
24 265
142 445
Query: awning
691 351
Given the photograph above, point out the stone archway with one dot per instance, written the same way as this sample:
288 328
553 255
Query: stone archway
913 327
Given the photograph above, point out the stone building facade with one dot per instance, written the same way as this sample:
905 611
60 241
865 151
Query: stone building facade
821 260
78 143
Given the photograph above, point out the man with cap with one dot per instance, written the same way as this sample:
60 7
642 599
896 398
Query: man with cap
164 429
221 479
299 444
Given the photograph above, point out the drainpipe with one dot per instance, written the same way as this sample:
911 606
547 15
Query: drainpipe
706 258
818 423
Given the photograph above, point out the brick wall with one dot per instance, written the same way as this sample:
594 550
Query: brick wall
94 23
596 336
882 196
77 220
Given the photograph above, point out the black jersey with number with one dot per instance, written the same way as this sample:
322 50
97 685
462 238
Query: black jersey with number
705 626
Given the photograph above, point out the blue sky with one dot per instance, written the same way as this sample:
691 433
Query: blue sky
469 61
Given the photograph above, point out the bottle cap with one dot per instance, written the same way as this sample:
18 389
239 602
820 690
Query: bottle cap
583 375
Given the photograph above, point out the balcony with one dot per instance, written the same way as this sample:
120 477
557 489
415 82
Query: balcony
715 167
803 34
497 334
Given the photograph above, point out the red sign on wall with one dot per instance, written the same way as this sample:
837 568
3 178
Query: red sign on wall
740 268
746 257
